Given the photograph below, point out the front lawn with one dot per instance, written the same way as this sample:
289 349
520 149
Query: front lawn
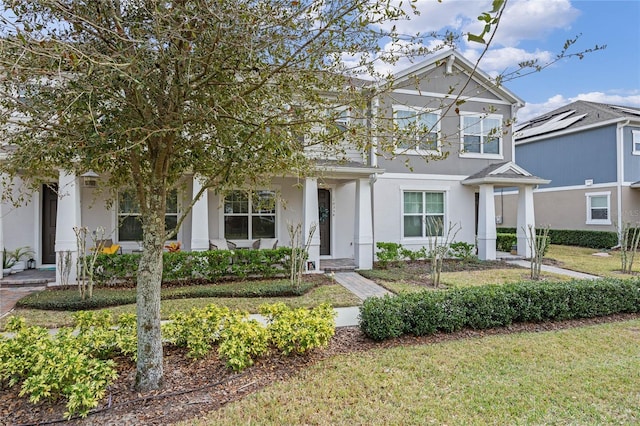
582 259
327 292
414 276
588 375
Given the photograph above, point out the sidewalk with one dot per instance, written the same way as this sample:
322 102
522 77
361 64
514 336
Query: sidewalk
555 270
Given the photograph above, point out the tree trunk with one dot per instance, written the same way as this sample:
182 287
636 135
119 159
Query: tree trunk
149 366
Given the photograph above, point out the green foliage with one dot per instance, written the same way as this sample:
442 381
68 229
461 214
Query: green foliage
493 306
299 330
414 255
206 265
504 241
69 300
462 250
196 330
577 237
388 253
242 340
51 367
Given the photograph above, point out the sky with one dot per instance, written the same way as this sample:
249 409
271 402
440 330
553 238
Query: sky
538 29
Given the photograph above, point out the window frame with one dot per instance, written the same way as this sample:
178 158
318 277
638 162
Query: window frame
635 142
481 154
424 214
250 214
589 196
417 111
121 215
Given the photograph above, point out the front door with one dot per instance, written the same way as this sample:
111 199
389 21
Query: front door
49 215
324 216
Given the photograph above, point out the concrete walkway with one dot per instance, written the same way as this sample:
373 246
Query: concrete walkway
555 270
359 285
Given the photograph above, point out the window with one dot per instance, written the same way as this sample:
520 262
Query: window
598 208
481 134
129 225
249 216
417 129
636 142
423 214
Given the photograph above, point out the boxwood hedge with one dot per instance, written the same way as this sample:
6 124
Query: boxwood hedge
494 306
577 237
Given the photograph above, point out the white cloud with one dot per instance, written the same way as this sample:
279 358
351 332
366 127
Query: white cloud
497 61
529 111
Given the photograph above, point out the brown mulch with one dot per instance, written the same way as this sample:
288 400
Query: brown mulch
193 388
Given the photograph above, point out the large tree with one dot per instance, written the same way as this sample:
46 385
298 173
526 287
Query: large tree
146 91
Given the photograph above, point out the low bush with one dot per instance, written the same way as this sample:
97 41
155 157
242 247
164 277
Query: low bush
577 237
70 300
205 265
493 306
242 340
505 241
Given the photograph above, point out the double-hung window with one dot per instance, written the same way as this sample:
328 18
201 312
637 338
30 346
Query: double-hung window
423 214
250 215
598 208
481 134
635 134
417 130
129 224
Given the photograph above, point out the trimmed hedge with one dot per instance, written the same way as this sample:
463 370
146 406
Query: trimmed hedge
206 265
495 306
504 242
577 237
70 300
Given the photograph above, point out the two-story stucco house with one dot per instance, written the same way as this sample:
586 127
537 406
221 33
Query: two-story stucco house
383 194
591 153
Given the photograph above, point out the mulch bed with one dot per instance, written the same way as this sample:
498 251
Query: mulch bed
193 388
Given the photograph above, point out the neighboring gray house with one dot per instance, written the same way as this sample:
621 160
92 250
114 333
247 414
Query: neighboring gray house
591 153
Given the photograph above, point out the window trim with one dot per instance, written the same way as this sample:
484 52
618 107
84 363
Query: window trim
445 199
417 110
635 142
118 215
588 197
250 214
481 154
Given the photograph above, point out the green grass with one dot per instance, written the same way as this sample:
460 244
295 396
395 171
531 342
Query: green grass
588 375
399 281
582 260
333 294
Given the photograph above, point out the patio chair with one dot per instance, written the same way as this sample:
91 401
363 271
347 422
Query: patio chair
221 244
265 243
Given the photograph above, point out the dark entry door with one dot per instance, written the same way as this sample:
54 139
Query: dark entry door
49 214
324 215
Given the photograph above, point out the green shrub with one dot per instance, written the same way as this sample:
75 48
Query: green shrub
493 306
388 253
206 265
242 340
504 241
462 250
299 330
197 330
577 237
52 367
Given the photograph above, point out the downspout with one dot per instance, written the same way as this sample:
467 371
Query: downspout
620 157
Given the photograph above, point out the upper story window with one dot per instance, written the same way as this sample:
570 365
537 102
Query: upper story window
598 208
481 135
129 224
423 214
248 216
417 130
635 134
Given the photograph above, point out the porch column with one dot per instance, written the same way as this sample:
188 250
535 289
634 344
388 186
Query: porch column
363 237
200 218
310 218
68 216
486 223
526 218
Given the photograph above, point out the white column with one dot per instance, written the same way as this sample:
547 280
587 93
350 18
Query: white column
363 237
526 218
68 216
486 224
200 218
310 218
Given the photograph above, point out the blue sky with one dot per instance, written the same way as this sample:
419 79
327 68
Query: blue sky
537 29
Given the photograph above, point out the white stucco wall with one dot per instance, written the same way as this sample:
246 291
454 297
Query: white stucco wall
22 224
388 189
